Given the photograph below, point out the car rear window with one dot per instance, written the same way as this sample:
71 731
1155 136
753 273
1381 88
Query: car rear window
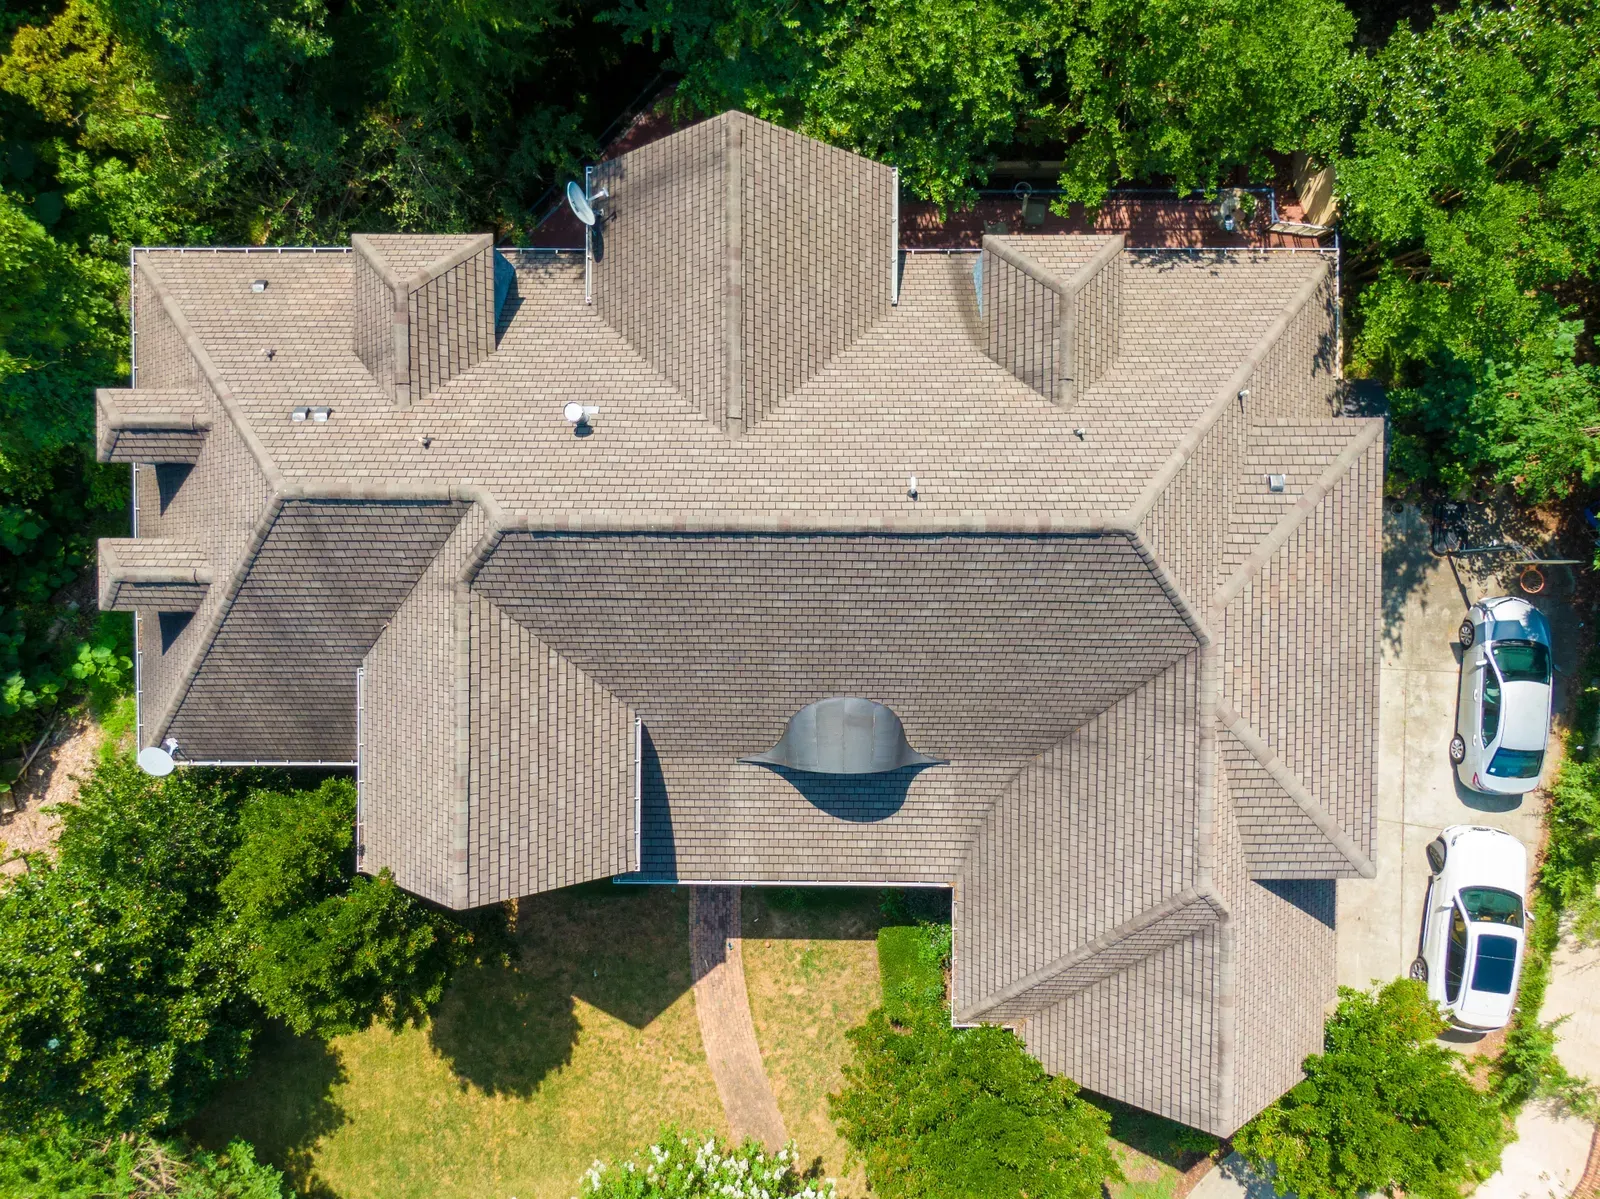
1490 905
1521 661
1517 763
1496 963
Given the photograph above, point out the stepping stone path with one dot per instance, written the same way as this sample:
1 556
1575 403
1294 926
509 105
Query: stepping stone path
723 1006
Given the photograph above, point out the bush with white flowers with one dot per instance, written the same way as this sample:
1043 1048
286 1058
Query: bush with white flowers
687 1166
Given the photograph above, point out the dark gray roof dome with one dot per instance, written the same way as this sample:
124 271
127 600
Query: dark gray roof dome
843 735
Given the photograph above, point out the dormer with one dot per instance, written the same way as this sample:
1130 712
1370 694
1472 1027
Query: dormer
739 258
133 425
1051 307
424 308
152 573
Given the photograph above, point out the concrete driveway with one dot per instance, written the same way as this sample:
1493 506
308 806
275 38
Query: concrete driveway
1380 919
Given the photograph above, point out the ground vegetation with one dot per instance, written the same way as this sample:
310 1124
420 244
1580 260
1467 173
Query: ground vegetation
1384 1108
935 1112
71 1165
179 916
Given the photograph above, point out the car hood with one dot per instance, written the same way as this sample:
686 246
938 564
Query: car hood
1525 716
1487 857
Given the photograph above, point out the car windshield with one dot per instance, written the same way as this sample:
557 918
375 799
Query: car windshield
1522 661
1517 763
1490 905
1495 964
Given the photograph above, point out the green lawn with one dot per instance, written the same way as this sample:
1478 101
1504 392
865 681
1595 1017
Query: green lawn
811 968
525 1075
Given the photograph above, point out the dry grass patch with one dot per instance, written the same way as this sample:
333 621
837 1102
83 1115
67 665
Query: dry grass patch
526 1074
811 968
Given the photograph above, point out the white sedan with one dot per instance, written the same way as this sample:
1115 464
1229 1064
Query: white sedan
1503 714
1473 925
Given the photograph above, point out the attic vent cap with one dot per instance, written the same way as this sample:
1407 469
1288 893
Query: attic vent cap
258 285
317 416
1277 482
843 735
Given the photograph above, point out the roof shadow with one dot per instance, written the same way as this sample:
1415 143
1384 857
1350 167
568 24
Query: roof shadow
858 798
1313 896
624 950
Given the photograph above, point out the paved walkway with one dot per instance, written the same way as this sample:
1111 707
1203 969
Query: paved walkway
723 1006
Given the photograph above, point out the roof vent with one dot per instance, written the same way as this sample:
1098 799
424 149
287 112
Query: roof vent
258 285
843 735
315 415
1277 482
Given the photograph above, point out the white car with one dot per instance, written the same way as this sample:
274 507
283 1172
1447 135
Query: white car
1473 925
1503 714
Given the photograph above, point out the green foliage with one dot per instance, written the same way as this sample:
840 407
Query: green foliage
67 1164
938 1111
1469 187
1384 1106
324 953
181 914
912 960
1199 87
120 1012
698 1166
1185 90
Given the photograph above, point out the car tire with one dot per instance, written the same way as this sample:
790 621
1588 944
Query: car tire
1436 852
1467 634
1419 970
1458 749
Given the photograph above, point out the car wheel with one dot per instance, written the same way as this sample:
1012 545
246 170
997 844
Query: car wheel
1419 970
1458 749
1436 852
1467 634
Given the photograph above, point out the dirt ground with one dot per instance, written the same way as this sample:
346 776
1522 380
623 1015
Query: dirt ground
51 779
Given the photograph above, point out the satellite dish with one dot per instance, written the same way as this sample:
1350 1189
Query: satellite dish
579 203
155 760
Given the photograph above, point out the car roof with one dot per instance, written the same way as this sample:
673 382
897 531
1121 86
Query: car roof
1524 715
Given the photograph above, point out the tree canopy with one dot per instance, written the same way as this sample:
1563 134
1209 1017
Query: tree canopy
180 914
1384 1106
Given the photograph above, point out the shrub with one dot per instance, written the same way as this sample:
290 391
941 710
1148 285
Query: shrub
679 1166
69 1165
965 1113
321 951
1384 1106
911 961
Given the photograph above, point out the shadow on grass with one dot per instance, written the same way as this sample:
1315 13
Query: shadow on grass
622 949
283 1108
838 913
1168 1142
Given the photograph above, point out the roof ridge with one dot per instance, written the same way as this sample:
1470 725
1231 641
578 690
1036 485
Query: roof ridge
1298 512
1095 946
1226 395
1296 790
212 373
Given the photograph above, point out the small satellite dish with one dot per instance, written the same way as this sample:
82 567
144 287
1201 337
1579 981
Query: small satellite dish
579 414
579 203
155 760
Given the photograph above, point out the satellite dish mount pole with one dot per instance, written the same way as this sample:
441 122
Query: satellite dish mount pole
588 241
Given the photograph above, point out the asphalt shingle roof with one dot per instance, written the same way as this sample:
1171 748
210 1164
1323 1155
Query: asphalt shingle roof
1151 679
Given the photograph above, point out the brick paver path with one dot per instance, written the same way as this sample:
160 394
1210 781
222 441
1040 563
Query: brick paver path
723 1005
